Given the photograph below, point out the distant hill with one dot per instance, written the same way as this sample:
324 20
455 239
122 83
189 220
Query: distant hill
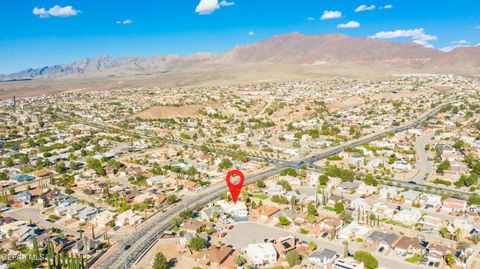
106 65
281 51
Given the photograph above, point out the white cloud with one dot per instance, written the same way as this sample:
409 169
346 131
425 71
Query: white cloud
460 42
226 3
350 24
364 8
40 12
331 14
387 6
206 7
55 11
127 21
450 48
310 19
251 33
457 44
477 27
417 35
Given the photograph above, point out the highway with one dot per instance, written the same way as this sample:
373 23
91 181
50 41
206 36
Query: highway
131 249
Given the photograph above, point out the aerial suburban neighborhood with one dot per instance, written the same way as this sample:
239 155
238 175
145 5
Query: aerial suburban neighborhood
237 134
340 173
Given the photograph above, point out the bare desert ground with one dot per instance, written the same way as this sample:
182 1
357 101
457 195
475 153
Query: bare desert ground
160 112
170 112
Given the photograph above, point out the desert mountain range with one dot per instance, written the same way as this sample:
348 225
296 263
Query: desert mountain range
292 49
288 56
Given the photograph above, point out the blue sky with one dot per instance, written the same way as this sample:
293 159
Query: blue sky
38 33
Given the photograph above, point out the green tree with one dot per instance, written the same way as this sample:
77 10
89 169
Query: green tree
285 185
450 259
289 171
283 220
60 167
312 210
187 213
225 164
445 165
197 243
293 258
323 180
368 260
171 199
474 199
8 162
260 184
160 261
23 159
370 180
239 260
312 245
345 249
339 207
3 176
346 216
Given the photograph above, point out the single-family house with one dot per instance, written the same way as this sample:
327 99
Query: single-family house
347 264
261 254
408 216
411 197
431 200
380 239
128 218
87 213
103 218
216 255
354 230
264 211
323 259
454 205
85 246
411 245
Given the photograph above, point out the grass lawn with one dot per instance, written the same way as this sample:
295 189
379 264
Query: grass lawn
329 208
303 231
417 258
260 195
397 223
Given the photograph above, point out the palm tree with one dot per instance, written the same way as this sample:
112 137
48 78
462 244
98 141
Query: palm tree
458 234
345 248
293 203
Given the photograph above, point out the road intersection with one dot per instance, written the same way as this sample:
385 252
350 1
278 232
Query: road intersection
130 250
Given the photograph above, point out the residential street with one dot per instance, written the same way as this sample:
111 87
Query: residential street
245 233
424 166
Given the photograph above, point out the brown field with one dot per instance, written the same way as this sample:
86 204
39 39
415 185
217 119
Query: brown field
222 76
349 102
170 112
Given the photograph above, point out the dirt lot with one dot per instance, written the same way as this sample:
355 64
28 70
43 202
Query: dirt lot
159 112
170 248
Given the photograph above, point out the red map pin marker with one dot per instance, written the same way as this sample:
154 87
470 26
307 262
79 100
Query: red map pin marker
235 189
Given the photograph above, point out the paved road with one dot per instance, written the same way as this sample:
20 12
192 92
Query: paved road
30 213
131 249
136 244
424 166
